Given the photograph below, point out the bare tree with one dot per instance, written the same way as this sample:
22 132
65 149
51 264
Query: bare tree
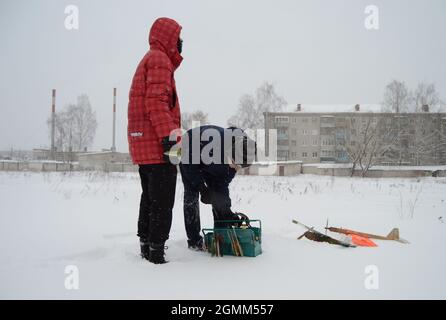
247 114
430 141
251 108
376 141
188 118
360 151
425 94
62 129
84 123
397 97
75 126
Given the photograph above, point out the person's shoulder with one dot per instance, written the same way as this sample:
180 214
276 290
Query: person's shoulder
158 59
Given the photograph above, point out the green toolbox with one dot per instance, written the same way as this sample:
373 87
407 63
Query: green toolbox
243 241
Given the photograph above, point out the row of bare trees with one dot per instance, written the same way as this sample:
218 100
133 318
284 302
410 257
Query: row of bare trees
399 98
250 110
397 140
75 126
373 143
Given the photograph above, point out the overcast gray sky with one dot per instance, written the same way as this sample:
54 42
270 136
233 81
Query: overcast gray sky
315 52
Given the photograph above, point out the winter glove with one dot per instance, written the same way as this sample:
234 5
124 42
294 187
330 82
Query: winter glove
237 219
205 195
242 216
167 145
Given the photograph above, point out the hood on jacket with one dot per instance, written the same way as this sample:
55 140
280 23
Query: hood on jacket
164 35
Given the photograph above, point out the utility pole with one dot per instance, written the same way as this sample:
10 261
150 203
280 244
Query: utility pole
113 148
53 125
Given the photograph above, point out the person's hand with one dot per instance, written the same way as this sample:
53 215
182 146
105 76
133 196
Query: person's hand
242 216
223 217
167 145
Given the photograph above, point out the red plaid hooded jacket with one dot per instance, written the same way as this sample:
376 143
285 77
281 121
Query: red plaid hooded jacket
154 110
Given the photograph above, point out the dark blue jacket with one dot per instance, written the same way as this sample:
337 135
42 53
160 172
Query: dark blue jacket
216 176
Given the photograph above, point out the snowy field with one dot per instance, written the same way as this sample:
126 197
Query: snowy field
49 221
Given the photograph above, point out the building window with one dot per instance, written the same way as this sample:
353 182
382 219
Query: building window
282 154
282 142
304 142
282 119
304 120
304 154
327 153
293 143
305 132
314 154
315 142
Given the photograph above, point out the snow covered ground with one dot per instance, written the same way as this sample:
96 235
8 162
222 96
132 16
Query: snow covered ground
49 221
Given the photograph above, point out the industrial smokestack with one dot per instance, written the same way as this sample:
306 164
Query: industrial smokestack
113 148
53 124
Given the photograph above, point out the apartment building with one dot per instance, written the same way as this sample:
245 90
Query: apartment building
316 136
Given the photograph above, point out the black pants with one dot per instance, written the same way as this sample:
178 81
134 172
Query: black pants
191 210
158 183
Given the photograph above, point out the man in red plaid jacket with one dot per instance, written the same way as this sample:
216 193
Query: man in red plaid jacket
153 113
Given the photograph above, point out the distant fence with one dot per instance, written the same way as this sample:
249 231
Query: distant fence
374 173
280 169
64 166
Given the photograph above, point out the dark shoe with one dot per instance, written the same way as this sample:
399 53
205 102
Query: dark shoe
145 248
196 245
156 253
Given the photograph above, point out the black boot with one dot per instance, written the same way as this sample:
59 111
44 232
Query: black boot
197 245
145 248
156 253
